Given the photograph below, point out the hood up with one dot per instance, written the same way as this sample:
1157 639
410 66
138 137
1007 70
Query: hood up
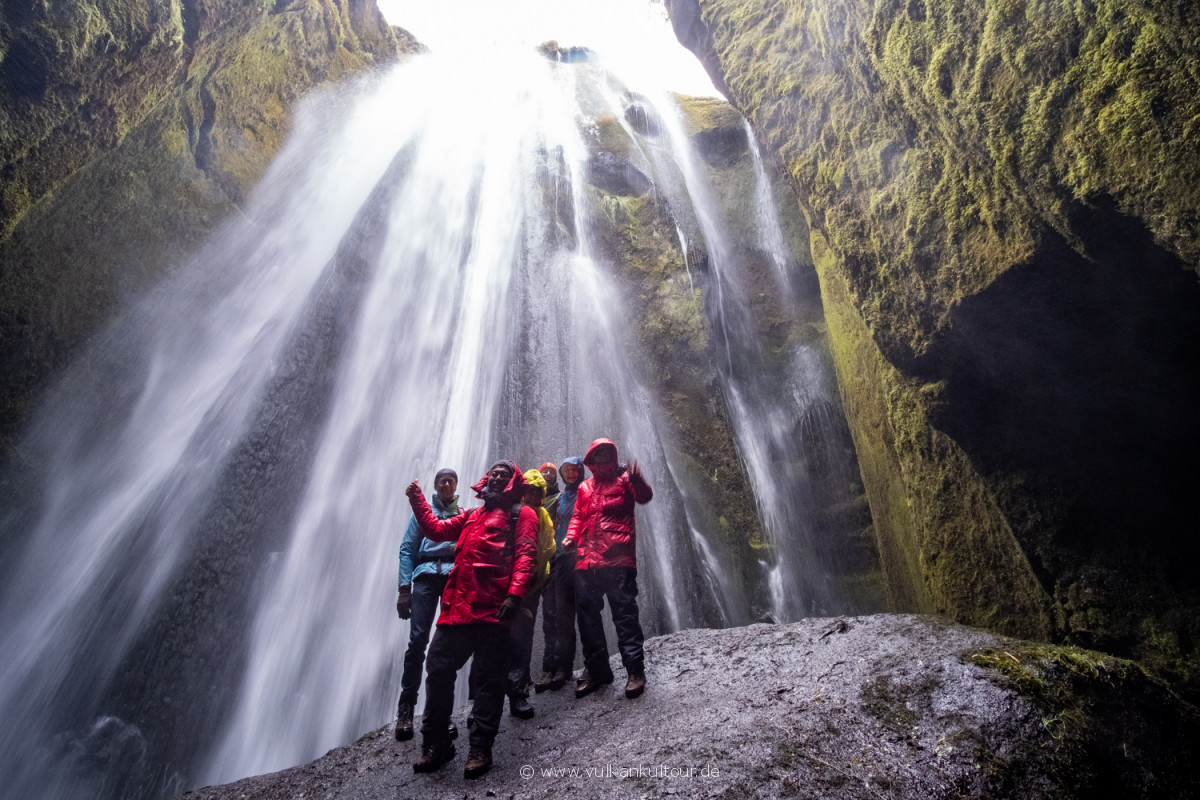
597 445
512 492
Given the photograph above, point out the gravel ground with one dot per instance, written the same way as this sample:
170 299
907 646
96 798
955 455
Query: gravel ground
887 706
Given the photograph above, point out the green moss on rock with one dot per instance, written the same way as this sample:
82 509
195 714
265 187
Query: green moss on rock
138 146
671 344
673 340
1096 709
986 179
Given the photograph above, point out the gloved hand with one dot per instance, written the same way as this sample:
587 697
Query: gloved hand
508 607
635 472
404 602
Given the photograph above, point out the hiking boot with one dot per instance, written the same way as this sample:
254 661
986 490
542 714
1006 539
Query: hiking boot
519 707
452 731
433 756
404 723
479 761
587 684
635 685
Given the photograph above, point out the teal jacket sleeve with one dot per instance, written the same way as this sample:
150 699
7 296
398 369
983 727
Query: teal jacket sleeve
408 551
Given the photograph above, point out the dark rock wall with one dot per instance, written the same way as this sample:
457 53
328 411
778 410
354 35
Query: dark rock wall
75 78
1004 210
127 132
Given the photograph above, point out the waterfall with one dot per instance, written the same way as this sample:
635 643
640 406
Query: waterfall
787 422
199 580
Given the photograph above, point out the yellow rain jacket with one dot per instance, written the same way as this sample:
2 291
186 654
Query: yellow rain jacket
545 539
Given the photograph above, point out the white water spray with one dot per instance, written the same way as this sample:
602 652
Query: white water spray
468 319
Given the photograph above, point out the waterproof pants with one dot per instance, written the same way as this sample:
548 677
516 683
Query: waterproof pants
619 585
558 615
521 646
452 646
426 597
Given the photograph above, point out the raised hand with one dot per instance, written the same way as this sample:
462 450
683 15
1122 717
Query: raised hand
635 472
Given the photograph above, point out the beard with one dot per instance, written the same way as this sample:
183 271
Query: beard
492 499
495 498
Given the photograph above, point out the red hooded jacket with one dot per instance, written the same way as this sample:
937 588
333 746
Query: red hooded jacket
491 561
603 523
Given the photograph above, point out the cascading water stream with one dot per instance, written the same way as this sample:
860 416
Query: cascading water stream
127 467
421 252
767 213
448 342
782 409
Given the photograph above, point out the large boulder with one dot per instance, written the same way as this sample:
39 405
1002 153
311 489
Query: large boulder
1006 222
881 706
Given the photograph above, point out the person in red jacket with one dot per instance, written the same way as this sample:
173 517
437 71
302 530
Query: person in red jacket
493 569
604 533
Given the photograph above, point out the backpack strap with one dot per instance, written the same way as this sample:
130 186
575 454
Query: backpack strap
512 531
515 514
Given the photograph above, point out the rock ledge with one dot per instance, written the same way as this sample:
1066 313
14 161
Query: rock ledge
880 706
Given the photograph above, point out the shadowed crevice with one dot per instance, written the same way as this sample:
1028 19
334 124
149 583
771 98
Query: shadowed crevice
1070 384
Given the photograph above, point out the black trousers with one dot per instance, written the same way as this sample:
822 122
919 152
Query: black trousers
426 597
558 615
521 645
619 585
451 647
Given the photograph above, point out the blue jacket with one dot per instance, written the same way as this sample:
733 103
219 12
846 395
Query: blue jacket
422 556
566 503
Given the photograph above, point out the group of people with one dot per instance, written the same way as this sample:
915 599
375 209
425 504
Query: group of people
488 568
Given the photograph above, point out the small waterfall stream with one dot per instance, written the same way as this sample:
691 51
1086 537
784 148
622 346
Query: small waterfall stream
207 546
782 402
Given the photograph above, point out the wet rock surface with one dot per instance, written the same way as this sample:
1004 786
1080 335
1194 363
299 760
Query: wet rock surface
880 706
131 132
966 182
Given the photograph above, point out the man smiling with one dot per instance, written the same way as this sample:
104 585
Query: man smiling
424 568
493 569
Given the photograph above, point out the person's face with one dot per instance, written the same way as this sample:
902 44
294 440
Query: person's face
445 487
498 478
533 496
604 463
570 473
551 475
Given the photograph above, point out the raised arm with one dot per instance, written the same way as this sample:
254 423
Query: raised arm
439 530
642 493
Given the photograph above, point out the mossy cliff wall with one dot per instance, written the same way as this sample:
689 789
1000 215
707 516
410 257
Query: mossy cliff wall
127 132
1004 198
636 224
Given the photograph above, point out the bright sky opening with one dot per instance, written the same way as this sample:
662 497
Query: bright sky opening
635 34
